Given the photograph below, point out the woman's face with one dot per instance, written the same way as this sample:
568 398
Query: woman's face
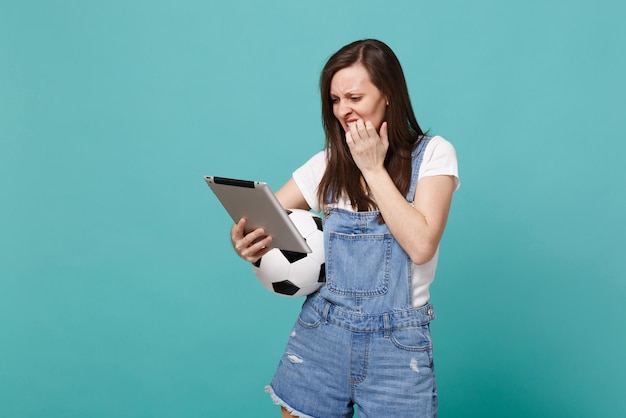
354 97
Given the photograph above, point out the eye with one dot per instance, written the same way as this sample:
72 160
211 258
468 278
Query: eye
334 100
355 98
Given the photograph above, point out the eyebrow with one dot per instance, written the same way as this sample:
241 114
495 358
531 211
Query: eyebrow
348 93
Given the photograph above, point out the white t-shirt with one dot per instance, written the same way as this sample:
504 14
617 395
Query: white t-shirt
439 159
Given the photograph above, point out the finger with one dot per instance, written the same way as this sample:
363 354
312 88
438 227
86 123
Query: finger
360 128
383 134
253 237
242 240
247 248
236 232
370 130
349 139
258 249
262 246
354 131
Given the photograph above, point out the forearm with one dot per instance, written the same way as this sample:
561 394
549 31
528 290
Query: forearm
418 228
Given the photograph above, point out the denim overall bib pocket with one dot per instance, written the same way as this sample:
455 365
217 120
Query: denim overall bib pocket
358 255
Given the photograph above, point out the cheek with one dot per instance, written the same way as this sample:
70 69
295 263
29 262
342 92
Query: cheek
379 116
383 109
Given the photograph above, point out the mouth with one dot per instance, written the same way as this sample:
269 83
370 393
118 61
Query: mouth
350 122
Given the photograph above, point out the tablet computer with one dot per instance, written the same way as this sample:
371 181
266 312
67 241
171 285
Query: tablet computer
255 201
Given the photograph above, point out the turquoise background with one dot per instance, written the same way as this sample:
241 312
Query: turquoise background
120 295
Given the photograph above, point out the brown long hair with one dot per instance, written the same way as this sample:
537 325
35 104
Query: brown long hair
342 176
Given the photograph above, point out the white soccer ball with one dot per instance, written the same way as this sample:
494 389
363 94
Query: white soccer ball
292 273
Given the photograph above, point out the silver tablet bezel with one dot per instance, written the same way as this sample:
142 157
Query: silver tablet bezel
256 202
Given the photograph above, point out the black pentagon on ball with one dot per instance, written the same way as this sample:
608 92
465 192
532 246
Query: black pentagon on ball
322 277
318 222
293 256
285 288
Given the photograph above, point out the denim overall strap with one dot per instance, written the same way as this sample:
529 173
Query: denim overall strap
417 156
367 272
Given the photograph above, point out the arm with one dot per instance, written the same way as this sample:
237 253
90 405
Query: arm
256 244
419 228
290 196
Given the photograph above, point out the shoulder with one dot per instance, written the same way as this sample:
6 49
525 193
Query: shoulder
314 165
318 159
440 159
437 146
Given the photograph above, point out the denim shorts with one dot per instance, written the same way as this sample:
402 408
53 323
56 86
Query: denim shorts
336 359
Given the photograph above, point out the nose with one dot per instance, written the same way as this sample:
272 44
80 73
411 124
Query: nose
343 109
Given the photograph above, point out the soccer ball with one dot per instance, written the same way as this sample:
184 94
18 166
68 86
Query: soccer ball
292 273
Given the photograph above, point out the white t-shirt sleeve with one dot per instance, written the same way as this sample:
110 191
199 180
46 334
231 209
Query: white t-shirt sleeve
308 178
440 160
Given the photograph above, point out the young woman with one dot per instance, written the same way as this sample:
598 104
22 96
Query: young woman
385 189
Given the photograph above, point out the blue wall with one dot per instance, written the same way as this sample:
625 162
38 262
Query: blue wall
120 295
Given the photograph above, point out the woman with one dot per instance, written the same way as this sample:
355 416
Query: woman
385 188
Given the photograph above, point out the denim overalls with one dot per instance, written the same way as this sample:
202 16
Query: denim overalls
359 340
